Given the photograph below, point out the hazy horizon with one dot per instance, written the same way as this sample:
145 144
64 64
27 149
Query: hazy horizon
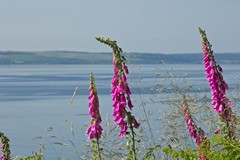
109 51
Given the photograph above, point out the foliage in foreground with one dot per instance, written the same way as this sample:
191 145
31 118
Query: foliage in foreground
216 148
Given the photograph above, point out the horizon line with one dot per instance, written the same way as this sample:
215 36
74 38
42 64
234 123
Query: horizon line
140 52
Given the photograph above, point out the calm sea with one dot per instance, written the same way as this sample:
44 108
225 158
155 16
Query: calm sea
35 100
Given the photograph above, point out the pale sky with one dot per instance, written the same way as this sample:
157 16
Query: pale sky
162 26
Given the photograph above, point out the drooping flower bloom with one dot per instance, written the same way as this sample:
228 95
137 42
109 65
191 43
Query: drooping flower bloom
121 95
94 130
120 91
218 87
194 131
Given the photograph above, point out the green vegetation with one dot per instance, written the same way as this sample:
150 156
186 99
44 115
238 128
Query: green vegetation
71 57
53 57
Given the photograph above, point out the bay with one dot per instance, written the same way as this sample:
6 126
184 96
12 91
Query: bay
35 100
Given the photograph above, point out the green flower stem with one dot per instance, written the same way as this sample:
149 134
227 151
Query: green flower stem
133 142
99 150
133 148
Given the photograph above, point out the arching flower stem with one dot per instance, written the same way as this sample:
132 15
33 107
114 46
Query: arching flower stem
120 91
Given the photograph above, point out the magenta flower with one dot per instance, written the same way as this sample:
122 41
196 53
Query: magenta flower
195 132
200 158
120 92
217 131
94 129
122 104
220 103
218 86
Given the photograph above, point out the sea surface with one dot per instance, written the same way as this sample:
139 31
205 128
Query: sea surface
35 107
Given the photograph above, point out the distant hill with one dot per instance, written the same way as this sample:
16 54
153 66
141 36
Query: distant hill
181 58
72 57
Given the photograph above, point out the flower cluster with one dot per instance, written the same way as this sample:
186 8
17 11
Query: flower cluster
122 104
195 132
121 95
218 86
94 130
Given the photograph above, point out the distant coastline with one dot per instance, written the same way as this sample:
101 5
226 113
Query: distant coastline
73 57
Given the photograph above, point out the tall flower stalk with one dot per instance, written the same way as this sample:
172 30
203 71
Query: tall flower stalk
194 131
4 142
94 130
120 91
220 103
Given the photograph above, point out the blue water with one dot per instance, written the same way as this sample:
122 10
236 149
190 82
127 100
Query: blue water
36 97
